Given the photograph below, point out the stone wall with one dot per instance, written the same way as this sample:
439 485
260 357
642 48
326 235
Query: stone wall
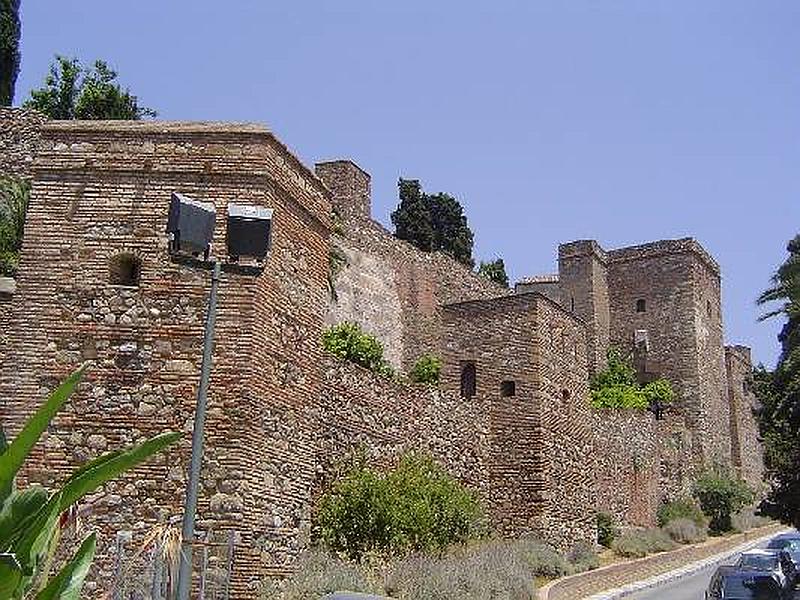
7 288
360 411
541 431
392 289
627 465
19 139
746 450
102 190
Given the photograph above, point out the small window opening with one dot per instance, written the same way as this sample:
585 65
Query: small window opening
709 308
641 305
508 389
468 379
125 269
565 395
572 304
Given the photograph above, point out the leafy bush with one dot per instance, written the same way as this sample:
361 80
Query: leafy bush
686 531
680 509
491 570
416 506
617 387
427 369
720 496
641 542
14 194
347 341
606 529
29 519
319 573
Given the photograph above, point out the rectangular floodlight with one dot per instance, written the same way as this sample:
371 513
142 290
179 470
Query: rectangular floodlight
191 224
249 231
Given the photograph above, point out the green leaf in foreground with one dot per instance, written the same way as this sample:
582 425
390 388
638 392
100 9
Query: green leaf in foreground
69 581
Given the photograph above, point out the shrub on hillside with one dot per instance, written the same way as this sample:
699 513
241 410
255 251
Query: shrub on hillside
427 369
319 573
720 496
745 520
686 531
606 529
493 569
641 542
347 341
582 557
416 506
680 509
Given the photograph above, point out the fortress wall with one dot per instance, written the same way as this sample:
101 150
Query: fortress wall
7 287
392 289
627 465
561 361
363 412
101 189
746 450
19 138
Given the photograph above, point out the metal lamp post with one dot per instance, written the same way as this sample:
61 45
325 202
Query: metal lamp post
191 228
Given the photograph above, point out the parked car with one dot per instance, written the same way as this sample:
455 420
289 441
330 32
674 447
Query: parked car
777 562
729 582
790 542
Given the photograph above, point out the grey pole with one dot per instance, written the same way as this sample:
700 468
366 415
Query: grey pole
185 571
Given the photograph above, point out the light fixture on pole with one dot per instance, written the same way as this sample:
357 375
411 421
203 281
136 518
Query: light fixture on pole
191 228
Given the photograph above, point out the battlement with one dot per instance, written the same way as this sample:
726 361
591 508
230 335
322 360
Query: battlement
350 187
581 248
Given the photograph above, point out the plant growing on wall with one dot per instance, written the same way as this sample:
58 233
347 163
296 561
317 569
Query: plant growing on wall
416 506
427 369
617 387
347 341
29 518
14 194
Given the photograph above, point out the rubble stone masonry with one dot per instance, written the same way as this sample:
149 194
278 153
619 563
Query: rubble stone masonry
746 450
101 191
19 139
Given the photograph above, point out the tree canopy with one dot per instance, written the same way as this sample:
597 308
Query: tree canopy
778 392
494 270
432 222
10 29
73 92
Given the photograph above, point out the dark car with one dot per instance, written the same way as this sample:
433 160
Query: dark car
790 542
777 562
732 583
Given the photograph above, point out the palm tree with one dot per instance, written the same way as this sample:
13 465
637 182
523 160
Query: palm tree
786 290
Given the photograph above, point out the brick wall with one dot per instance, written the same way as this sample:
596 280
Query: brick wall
540 474
360 411
746 451
7 287
627 465
388 286
19 137
101 189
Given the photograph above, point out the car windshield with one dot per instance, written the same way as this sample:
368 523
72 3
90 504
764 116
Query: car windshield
784 544
761 562
743 587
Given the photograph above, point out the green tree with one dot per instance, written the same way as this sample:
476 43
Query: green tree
494 270
432 222
14 194
778 393
10 30
617 386
72 92
720 496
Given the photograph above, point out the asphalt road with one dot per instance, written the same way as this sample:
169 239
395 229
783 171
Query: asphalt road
692 587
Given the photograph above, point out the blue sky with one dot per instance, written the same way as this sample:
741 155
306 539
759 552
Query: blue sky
622 121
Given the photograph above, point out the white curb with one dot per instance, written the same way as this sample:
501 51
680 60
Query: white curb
676 574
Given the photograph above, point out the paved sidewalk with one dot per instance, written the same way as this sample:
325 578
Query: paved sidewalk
617 580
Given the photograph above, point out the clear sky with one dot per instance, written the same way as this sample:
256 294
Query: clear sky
622 121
